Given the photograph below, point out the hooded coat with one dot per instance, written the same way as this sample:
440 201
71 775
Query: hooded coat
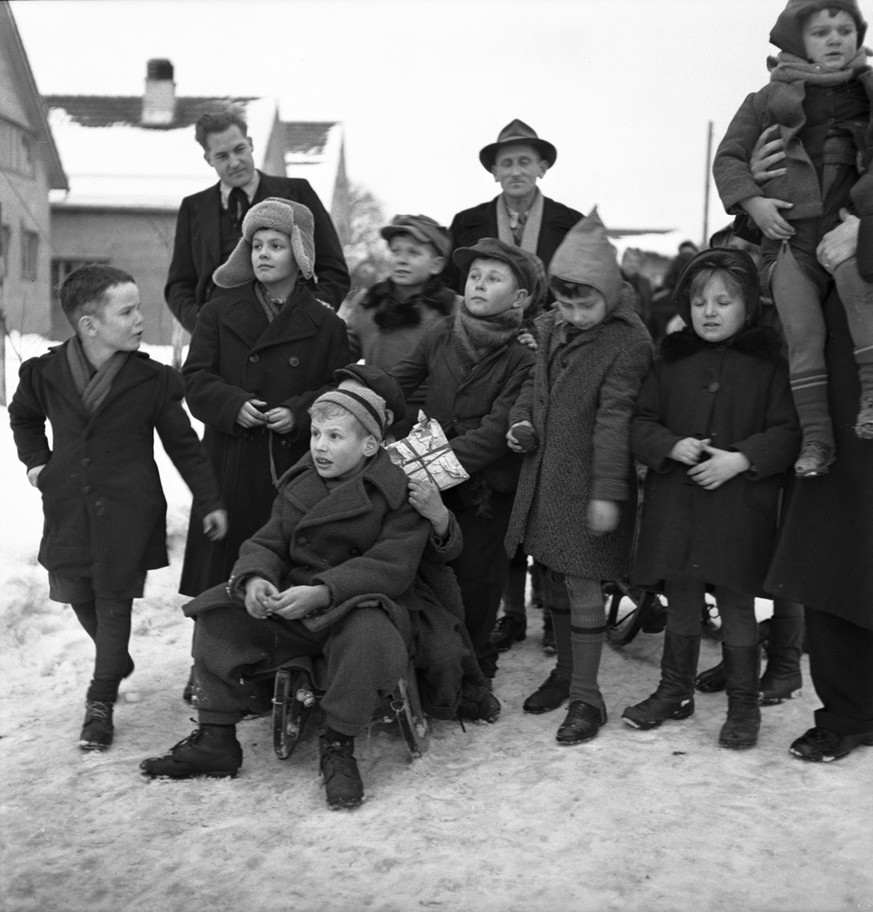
736 393
781 102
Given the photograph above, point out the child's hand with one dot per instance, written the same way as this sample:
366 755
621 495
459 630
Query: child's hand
259 597
521 438
526 337
765 212
33 474
721 466
249 415
603 516
425 496
215 525
688 450
298 601
280 420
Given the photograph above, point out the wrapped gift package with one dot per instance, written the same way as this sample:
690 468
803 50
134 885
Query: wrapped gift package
426 453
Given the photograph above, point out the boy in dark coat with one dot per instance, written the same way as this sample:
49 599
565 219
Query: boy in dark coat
575 507
330 573
716 427
105 512
819 95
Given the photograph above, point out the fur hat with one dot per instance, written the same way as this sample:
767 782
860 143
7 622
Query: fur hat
368 407
586 257
517 132
787 34
422 228
736 262
286 216
526 267
378 381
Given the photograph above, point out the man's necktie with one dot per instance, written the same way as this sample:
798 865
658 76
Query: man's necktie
238 204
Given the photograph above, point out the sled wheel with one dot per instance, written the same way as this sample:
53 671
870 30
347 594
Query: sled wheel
410 717
289 712
627 612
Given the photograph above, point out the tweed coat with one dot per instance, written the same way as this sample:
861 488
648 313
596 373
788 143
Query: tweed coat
362 539
105 512
737 395
471 225
580 400
471 406
235 355
197 247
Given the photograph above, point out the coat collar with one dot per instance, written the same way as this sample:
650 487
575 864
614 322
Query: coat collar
300 318
759 341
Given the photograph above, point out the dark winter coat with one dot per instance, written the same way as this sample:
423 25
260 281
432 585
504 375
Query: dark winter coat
361 539
472 225
197 247
471 406
105 512
236 355
580 400
737 395
824 558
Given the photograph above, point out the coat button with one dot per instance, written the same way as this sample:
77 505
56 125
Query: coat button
713 387
302 540
254 359
354 551
87 489
294 361
86 461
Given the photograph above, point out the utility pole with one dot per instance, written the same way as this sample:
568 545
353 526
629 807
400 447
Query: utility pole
706 182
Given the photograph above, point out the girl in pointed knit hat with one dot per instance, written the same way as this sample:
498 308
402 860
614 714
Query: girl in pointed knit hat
575 507
260 355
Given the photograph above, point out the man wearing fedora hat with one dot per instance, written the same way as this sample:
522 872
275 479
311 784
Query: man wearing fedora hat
520 215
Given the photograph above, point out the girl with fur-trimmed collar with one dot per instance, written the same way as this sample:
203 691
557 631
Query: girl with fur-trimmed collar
716 427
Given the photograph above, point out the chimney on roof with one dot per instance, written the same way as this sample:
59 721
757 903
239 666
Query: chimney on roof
159 100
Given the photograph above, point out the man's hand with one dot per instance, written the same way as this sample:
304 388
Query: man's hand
721 466
298 601
33 474
840 243
215 525
249 415
603 516
767 152
765 213
259 597
688 450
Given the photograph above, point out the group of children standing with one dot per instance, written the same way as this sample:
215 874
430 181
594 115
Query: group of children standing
549 412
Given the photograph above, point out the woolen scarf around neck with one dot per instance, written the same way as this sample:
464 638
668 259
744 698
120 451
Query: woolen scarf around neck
93 386
787 67
480 335
389 312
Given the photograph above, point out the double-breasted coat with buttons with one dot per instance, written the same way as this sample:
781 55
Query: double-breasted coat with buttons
105 512
737 395
236 354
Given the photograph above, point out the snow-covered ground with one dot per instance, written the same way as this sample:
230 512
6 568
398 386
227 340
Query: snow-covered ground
492 818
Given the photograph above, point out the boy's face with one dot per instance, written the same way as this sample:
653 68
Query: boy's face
717 313
118 324
413 261
584 310
230 153
830 40
517 168
272 258
491 288
338 446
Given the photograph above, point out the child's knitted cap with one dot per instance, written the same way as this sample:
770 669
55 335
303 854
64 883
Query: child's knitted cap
586 257
285 216
378 381
368 407
787 34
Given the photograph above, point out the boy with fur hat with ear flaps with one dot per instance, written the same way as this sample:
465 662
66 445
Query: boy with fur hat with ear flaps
575 507
260 354
716 428
331 572
819 95
474 367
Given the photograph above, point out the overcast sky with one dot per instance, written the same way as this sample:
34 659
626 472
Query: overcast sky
624 88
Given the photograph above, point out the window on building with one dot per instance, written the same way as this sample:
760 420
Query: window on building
5 241
29 253
16 149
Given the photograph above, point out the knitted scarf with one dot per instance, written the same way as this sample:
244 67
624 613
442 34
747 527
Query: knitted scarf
787 67
93 386
476 336
392 313
531 235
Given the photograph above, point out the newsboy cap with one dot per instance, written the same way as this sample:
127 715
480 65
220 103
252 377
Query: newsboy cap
422 227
